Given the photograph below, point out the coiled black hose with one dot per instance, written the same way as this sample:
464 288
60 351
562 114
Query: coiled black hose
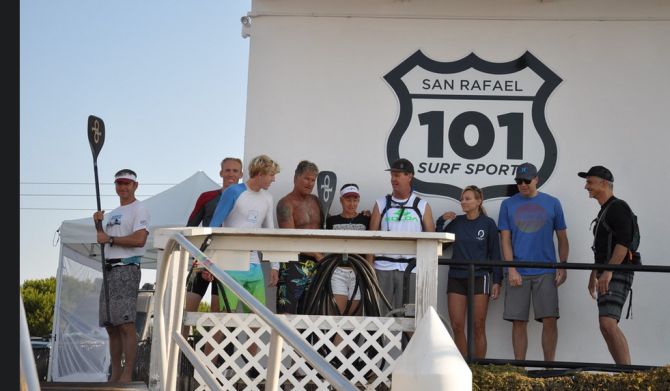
319 298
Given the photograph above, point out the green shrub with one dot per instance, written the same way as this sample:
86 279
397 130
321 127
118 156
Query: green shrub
507 377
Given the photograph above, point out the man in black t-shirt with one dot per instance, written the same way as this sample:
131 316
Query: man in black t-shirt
613 234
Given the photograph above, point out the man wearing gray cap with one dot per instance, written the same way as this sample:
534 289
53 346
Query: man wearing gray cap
527 222
613 235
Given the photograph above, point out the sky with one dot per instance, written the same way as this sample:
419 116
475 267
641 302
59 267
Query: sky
169 80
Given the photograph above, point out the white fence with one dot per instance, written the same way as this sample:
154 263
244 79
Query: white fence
373 343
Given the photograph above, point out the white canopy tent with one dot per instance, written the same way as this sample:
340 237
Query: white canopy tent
79 350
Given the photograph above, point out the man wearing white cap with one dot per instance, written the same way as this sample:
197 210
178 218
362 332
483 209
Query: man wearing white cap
125 234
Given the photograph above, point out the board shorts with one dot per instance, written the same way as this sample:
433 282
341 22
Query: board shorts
611 303
252 280
294 279
123 283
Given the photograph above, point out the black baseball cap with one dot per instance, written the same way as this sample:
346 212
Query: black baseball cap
526 171
598 171
402 165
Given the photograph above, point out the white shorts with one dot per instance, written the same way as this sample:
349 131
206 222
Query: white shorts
343 283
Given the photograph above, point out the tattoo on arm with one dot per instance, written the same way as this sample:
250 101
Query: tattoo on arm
284 215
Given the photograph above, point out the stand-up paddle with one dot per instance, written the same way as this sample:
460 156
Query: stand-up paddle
96 138
325 188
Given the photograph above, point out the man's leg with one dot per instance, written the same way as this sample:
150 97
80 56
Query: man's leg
519 339
192 303
615 339
549 338
195 291
115 350
129 336
385 280
517 308
220 296
545 305
610 306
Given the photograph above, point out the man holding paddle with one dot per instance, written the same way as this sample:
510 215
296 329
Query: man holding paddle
124 235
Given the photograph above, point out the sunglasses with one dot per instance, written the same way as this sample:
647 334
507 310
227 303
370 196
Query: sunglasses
524 181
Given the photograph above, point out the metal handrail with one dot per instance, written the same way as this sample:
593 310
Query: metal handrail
29 377
278 325
543 265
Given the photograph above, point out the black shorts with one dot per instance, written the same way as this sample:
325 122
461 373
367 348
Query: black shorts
460 285
200 285
611 303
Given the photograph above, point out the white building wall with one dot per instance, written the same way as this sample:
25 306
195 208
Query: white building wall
317 91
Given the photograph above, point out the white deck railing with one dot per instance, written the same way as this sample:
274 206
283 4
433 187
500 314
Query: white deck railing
229 250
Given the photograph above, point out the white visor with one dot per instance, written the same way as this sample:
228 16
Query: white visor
349 190
126 177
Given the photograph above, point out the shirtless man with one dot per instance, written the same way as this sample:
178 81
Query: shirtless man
298 209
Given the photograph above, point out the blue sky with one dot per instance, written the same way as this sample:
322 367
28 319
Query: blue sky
169 80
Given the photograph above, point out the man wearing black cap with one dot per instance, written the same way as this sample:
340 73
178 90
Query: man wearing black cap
610 246
527 222
125 234
399 211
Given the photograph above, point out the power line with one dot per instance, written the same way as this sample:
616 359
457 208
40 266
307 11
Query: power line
75 195
54 209
91 183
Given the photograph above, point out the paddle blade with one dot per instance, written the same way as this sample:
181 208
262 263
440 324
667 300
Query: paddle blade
96 135
325 188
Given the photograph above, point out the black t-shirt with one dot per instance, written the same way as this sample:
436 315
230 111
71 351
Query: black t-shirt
358 223
619 218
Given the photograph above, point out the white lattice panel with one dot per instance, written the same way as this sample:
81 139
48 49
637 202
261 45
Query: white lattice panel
366 354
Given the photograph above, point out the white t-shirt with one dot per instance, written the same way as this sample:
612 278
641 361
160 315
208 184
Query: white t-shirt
123 221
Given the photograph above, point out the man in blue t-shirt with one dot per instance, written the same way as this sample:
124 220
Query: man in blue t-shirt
527 223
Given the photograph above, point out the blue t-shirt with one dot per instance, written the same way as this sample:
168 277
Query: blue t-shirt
475 240
532 222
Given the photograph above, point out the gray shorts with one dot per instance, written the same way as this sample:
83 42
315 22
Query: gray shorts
611 303
544 292
123 283
391 283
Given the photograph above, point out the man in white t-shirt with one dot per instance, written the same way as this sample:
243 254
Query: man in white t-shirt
400 211
125 234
